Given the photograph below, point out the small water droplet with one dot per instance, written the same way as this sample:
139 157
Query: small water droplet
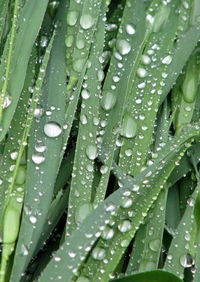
7 101
107 233
186 261
33 219
52 129
69 40
14 155
38 112
82 279
154 245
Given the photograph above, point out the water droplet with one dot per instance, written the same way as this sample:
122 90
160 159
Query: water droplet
127 203
98 253
24 250
40 148
129 127
141 72
33 219
57 258
80 43
83 119
123 46
86 21
85 94
72 17
69 40
78 65
100 75
130 29
14 155
108 100
44 41
125 226
146 60
38 159
154 245
52 129
186 261
7 101
124 243
167 60
38 112
104 169
91 152
82 212
107 233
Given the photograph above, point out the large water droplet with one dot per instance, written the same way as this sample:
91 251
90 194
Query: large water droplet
86 21
108 100
91 151
154 245
186 261
123 46
14 155
82 212
167 60
129 127
130 29
98 253
78 65
52 129
107 233
69 40
85 94
72 17
125 226
38 159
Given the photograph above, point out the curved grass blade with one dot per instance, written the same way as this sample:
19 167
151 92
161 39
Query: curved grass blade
182 245
155 276
31 14
32 112
83 239
114 98
86 148
14 196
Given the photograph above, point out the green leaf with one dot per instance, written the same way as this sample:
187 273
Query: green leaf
153 276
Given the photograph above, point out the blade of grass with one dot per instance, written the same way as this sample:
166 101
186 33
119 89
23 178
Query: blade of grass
91 228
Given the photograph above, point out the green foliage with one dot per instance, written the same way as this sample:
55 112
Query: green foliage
99 140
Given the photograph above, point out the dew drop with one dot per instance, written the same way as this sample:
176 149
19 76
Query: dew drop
85 94
167 60
130 29
38 159
129 127
72 17
69 40
107 233
108 100
98 253
127 203
141 72
125 226
38 112
14 155
154 245
123 46
78 65
33 219
91 152
52 129
82 212
80 43
7 101
86 21
146 60
40 148
24 250
186 261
